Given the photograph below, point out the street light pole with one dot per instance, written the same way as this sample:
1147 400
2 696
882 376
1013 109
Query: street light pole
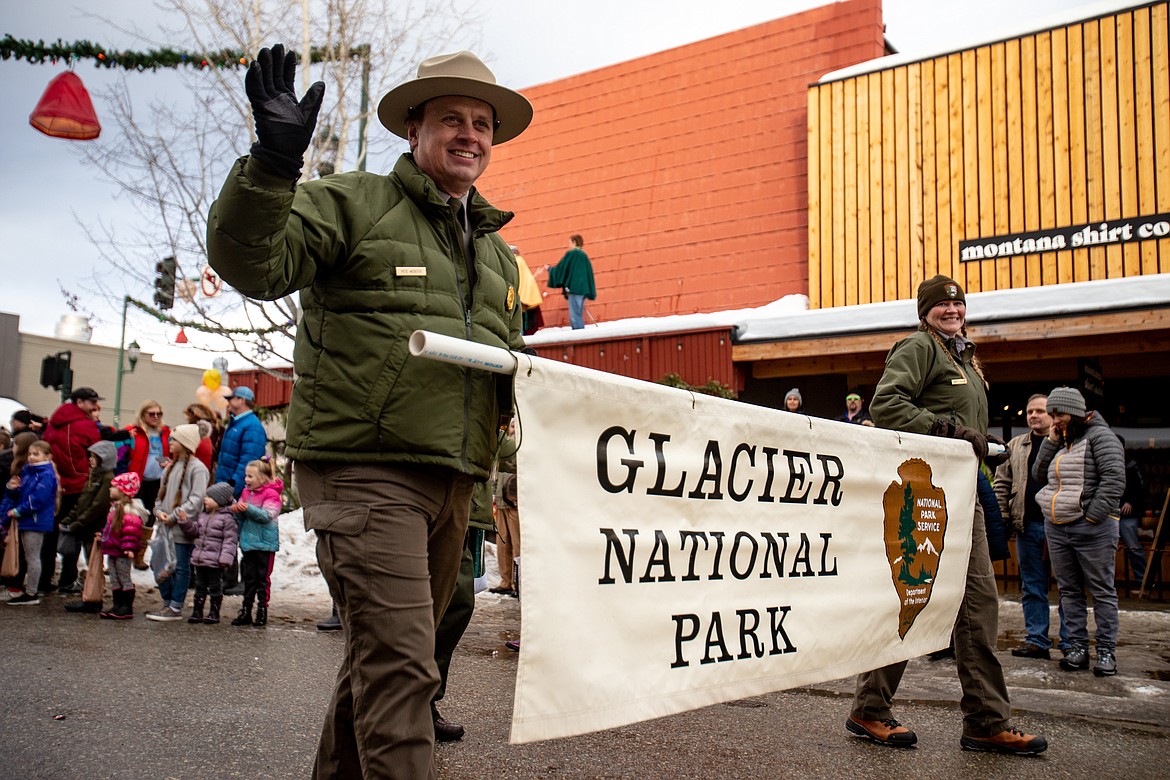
124 353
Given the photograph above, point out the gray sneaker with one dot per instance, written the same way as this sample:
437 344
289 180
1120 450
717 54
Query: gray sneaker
1106 665
165 615
1075 659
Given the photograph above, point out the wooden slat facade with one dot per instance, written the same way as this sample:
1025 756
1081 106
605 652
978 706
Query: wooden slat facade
1053 129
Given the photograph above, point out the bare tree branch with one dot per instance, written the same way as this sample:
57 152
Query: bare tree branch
169 156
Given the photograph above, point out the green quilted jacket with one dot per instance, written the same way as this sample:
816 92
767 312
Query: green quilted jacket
920 384
374 258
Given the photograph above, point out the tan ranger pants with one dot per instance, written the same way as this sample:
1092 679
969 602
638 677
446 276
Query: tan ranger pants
389 539
985 705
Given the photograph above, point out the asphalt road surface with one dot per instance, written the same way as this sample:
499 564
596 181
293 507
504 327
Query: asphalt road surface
89 698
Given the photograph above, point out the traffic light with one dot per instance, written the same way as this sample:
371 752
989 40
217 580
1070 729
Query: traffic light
57 373
164 283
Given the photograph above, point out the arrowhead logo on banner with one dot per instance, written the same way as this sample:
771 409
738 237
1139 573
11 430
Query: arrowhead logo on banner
915 526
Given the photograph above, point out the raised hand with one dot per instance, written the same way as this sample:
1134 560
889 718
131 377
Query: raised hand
284 125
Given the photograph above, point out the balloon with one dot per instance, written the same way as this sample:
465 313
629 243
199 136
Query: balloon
203 395
221 397
211 379
220 365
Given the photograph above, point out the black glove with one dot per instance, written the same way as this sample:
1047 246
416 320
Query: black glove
284 127
950 430
994 461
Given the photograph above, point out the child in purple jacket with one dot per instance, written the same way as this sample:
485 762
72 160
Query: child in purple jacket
216 534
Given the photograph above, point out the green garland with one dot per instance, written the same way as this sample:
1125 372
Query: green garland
203 326
38 52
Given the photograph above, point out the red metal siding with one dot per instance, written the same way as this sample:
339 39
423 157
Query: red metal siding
696 356
270 391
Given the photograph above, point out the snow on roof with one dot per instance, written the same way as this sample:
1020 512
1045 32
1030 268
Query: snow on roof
1007 32
674 323
790 317
1023 303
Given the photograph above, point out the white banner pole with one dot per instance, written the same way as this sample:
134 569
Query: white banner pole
461 352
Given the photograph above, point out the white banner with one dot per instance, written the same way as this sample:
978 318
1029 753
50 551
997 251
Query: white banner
681 550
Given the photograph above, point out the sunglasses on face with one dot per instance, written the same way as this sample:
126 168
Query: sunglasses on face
153 414
852 398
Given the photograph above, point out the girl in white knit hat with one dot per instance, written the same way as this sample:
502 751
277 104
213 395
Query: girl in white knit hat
180 497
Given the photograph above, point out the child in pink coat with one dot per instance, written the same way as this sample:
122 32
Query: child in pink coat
120 542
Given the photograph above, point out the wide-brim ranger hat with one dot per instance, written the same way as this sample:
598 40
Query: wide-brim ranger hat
464 74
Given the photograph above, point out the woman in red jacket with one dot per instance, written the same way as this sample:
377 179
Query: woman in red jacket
150 441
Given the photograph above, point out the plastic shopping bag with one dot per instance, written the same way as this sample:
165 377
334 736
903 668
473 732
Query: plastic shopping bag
162 552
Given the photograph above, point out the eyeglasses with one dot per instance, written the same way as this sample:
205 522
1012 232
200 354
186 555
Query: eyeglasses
852 398
153 414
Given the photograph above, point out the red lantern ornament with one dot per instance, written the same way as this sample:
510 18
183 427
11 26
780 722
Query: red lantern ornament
65 110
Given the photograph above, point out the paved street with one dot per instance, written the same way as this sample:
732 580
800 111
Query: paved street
85 698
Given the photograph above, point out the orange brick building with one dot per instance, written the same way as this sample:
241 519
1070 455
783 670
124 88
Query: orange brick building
686 171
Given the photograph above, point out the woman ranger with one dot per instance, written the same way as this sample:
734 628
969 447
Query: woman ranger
934 384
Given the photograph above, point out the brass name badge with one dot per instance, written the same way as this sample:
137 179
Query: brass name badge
958 381
410 270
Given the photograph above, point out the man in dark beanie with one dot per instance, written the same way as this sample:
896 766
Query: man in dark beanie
24 420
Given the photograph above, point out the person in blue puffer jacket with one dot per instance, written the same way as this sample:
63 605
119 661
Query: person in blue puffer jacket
31 499
1082 467
244 440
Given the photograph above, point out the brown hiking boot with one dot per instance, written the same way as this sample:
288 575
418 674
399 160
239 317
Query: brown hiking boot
884 732
1013 742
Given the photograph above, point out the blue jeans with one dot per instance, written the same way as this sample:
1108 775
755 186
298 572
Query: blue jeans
1034 588
173 589
1084 559
1133 547
576 311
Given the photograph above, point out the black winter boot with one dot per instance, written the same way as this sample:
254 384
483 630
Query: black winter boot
261 616
84 606
331 623
213 613
197 610
123 605
108 614
245 616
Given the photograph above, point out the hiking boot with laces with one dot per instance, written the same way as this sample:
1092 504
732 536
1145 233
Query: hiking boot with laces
1075 659
1012 742
886 731
1106 665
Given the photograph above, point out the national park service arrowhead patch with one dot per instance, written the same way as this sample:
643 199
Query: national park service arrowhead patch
915 526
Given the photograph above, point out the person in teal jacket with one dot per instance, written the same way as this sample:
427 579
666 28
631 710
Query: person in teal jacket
386 447
574 275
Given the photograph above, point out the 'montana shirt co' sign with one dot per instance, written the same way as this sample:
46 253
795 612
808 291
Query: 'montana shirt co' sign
1091 235
681 550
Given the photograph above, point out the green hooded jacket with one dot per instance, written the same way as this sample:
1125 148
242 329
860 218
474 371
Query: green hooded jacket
574 272
374 258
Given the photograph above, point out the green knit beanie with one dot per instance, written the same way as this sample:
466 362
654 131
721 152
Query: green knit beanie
936 289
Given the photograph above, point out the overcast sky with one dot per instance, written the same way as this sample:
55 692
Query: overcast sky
526 42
